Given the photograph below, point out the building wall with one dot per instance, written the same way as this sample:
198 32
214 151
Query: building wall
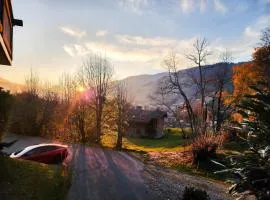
159 130
137 130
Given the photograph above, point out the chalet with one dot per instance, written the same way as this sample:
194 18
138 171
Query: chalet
146 123
7 22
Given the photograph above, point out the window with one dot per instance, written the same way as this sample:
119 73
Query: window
42 149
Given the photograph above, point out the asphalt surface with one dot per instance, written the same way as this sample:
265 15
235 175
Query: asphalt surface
105 174
97 174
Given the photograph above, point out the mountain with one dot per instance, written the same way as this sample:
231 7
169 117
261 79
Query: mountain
141 86
8 85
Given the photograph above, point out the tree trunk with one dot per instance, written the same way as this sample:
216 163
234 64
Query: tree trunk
98 123
119 139
219 120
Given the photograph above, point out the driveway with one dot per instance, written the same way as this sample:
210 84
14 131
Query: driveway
97 174
101 174
23 141
105 174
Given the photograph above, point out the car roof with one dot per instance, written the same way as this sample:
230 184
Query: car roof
43 145
46 144
29 148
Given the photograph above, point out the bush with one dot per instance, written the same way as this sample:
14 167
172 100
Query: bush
191 193
205 146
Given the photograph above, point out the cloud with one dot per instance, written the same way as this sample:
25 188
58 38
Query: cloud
220 6
139 40
249 32
73 32
101 33
69 50
202 6
75 50
187 6
134 5
253 31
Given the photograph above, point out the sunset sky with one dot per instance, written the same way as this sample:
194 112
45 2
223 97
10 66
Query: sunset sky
134 34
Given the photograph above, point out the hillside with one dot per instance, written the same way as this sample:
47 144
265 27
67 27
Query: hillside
13 87
141 86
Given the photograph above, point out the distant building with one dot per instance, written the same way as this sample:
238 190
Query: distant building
146 123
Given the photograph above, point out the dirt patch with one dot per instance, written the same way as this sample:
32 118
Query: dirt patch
171 159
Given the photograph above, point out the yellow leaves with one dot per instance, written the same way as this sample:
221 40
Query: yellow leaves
237 117
244 76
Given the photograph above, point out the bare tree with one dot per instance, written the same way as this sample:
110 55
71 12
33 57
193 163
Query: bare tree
67 87
219 80
198 57
265 37
49 103
32 83
176 86
79 115
95 75
123 108
163 98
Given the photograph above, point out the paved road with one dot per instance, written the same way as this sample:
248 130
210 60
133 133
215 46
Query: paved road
102 174
105 174
97 174
23 141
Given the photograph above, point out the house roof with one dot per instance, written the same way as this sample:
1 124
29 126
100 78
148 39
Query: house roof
145 116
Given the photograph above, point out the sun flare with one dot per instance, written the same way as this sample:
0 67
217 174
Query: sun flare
81 89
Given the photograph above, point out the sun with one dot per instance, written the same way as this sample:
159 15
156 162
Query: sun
81 89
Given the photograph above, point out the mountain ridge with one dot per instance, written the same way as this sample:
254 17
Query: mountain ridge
139 87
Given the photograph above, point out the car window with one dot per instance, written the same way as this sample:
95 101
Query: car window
46 148
30 153
51 148
42 149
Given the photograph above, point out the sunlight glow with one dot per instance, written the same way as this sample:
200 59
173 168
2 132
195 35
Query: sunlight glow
81 89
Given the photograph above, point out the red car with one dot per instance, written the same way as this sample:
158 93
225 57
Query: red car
44 153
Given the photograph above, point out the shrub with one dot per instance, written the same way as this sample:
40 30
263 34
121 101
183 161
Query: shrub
251 169
205 146
191 193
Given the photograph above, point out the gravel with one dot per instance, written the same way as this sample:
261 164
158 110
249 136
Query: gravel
169 184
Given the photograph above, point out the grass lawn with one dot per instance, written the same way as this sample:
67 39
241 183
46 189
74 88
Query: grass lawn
31 181
174 152
172 141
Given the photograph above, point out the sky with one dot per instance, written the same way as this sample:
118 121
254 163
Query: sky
135 35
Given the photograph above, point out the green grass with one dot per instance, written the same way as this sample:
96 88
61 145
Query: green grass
172 141
32 181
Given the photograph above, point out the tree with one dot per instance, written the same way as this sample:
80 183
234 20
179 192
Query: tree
79 116
249 74
67 91
163 98
252 169
251 84
67 88
198 57
220 78
123 111
96 75
176 86
265 37
5 106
